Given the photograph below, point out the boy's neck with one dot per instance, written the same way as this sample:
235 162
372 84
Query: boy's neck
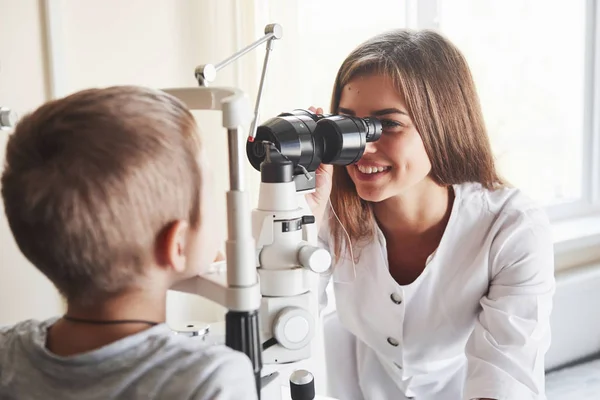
73 336
135 304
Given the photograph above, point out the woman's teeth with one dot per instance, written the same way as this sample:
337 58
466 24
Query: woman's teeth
371 170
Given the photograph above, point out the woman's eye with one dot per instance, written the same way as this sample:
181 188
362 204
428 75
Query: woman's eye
389 124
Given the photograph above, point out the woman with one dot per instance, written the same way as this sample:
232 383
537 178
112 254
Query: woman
452 270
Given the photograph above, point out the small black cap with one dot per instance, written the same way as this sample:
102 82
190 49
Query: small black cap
302 385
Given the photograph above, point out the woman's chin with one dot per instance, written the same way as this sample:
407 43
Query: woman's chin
372 187
371 195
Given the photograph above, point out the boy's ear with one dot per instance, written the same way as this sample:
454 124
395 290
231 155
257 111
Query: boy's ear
171 246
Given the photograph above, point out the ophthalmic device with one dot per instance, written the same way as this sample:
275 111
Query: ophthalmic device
272 255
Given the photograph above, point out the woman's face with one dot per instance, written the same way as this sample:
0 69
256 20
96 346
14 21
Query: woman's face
397 161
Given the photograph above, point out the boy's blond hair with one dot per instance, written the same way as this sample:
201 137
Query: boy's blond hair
93 179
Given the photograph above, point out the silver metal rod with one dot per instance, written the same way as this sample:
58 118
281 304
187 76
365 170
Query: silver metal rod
241 267
236 171
245 50
261 86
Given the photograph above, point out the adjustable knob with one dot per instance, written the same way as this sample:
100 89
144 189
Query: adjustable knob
8 118
293 328
205 74
314 258
302 385
275 29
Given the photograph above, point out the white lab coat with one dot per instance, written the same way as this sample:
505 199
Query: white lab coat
474 324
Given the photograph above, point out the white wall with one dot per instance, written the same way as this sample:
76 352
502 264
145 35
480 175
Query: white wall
156 43
24 292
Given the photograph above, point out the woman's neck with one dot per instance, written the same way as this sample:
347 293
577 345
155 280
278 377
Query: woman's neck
421 212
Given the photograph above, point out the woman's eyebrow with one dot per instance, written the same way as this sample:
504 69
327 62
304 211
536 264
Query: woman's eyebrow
346 111
384 111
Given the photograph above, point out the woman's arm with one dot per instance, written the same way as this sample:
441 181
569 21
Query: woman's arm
506 350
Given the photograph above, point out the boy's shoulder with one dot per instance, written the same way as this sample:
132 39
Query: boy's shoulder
156 361
225 373
13 332
210 357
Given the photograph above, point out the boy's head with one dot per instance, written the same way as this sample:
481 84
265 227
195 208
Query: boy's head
104 191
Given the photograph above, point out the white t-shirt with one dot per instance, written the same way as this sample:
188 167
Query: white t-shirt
474 324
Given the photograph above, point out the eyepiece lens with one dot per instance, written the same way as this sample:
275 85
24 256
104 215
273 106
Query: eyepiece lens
374 129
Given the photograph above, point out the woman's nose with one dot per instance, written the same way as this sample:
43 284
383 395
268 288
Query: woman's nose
370 148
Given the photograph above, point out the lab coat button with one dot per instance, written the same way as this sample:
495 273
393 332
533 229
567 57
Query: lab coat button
393 341
396 298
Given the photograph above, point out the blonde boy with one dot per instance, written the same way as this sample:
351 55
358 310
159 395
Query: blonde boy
105 192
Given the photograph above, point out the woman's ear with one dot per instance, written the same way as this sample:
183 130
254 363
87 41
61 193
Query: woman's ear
171 247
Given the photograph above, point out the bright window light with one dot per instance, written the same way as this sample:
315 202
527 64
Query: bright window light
528 60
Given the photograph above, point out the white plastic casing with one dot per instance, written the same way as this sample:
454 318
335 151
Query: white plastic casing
232 102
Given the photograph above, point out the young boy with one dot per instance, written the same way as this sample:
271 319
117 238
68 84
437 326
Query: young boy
105 192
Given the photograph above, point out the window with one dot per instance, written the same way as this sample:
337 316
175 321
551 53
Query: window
531 65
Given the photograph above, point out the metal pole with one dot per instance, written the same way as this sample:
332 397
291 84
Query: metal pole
252 133
245 50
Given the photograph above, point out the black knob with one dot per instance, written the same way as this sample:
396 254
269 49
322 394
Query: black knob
302 385
308 219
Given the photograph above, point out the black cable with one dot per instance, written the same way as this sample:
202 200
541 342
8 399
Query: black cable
109 322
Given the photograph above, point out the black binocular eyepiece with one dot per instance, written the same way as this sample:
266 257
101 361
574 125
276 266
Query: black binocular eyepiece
307 139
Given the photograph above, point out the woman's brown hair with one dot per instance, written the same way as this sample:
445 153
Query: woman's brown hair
442 102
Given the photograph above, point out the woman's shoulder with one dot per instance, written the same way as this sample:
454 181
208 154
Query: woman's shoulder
517 226
509 211
502 201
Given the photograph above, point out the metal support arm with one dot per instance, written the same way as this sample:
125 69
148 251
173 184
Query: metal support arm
207 73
